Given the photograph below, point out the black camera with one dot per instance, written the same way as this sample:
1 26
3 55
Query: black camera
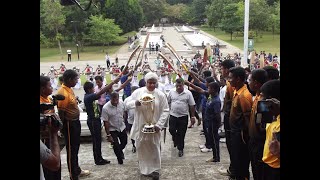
264 115
45 117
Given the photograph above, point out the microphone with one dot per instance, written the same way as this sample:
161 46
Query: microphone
58 97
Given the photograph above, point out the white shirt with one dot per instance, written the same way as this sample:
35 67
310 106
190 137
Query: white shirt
179 103
114 115
222 94
69 51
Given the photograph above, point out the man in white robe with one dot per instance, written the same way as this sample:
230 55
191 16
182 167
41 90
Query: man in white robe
148 144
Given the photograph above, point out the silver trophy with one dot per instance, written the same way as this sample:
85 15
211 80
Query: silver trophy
147 101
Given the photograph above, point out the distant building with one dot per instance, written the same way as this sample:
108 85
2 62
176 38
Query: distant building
164 20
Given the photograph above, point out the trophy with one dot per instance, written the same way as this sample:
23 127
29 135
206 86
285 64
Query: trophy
147 101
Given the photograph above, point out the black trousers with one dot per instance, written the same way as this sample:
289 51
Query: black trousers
108 64
214 139
227 129
71 132
178 128
69 57
205 130
255 154
48 174
118 147
95 130
270 173
240 156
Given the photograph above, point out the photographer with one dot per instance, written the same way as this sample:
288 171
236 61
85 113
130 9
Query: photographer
49 137
270 92
50 158
257 132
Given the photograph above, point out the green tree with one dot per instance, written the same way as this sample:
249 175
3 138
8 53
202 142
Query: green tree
54 19
153 10
187 15
198 10
259 16
275 18
175 12
76 23
126 13
214 12
173 2
103 30
231 21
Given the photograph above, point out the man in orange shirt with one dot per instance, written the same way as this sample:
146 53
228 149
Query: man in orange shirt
45 92
239 121
69 114
257 131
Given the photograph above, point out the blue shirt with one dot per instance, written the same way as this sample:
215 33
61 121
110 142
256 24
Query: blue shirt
127 88
203 97
91 105
108 98
212 112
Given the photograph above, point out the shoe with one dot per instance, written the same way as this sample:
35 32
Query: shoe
180 154
84 173
201 146
210 160
134 149
224 172
102 162
206 150
222 134
155 175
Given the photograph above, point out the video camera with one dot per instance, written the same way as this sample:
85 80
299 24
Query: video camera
263 112
45 117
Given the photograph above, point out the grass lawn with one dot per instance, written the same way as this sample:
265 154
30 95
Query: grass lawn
86 54
267 43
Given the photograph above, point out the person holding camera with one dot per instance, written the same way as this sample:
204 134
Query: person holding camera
257 132
50 158
270 91
70 114
93 120
47 135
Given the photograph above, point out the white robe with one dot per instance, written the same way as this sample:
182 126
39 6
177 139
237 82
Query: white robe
148 145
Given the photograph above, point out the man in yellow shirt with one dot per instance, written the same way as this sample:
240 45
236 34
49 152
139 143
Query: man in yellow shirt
69 114
271 170
239 121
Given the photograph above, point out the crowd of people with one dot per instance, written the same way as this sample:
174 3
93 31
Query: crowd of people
211 90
